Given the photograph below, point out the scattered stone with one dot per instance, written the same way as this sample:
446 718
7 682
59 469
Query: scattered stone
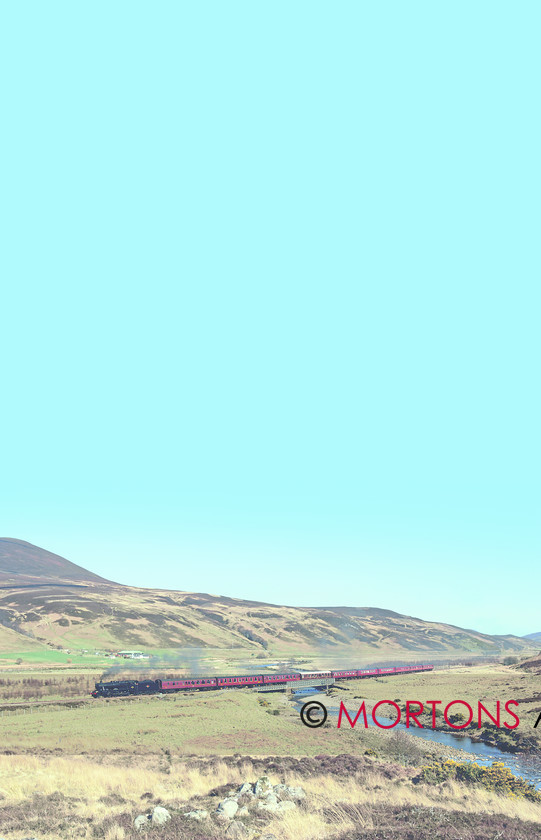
269 803
297 792
227 808
281 790
262 786
245 788
268 837
141 821
160 815
287 805
237 830
198 814
243 812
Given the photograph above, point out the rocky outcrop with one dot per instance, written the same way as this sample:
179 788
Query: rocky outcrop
250 800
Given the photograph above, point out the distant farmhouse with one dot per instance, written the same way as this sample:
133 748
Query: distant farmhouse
132 654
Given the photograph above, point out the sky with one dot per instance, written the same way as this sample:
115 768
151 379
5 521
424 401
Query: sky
269 307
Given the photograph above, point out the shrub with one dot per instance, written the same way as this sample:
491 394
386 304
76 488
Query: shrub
496 778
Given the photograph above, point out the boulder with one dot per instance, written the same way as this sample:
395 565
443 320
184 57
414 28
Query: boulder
269 803
286 805
281 790
296 792
227 808
160 815
141 821
245 788
236 830
262 786
243 812
198 814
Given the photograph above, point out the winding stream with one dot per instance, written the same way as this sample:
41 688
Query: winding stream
526 766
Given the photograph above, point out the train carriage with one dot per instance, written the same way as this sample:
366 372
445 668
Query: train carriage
281 678
239 681
194 682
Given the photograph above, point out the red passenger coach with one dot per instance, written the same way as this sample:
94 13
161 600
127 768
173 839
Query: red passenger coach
196 682
343 675
280 678
315 675
231 682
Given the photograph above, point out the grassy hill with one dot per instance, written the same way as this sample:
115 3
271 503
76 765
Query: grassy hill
46 600
534 638
23 563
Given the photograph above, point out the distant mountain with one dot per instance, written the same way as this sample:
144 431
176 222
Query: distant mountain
47 600
22 563
533 637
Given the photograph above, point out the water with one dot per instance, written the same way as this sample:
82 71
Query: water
526 766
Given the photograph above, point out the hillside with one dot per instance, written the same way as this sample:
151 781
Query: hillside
532 664
533 637
22 563
45 599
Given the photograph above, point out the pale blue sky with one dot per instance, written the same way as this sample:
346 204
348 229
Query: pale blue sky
269 319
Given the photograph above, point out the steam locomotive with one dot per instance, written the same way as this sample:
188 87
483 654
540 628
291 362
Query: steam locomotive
121 688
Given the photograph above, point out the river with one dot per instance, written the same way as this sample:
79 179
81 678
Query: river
526 766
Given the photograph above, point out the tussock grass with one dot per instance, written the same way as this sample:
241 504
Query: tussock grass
80 798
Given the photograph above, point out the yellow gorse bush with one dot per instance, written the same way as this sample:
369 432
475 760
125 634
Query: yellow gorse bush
497 778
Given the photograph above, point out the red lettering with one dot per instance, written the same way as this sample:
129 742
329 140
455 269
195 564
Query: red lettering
495 720
352 722
462 703
511 703
383 725
414 715
433 703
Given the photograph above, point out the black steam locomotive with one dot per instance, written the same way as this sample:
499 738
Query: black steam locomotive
121 688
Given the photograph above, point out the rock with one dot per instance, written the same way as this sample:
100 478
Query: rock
243 812
141 821
227 808
287 805
160 815
237 830
269 803
268 837
198 814
297 792
245 788
262 786
281 790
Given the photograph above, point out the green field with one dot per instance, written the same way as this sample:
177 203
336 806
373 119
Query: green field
113 759
230 721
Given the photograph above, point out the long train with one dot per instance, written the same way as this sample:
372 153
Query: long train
122 688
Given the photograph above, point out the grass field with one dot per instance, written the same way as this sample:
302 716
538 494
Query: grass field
78 797
211 723
87 771
231 721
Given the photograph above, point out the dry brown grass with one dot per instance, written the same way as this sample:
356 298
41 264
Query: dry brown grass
103 798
